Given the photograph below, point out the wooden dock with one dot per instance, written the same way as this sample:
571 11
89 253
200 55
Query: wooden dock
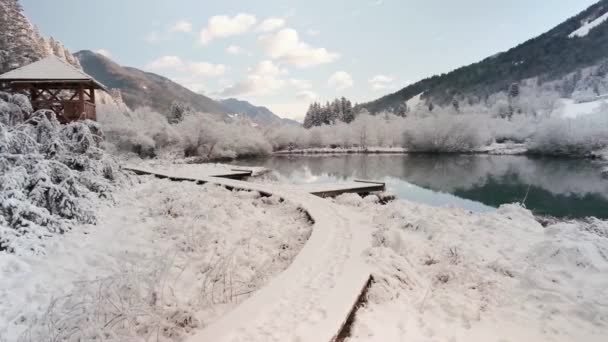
361 187
324 190
237 174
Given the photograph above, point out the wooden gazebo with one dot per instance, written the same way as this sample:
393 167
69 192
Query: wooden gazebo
54 84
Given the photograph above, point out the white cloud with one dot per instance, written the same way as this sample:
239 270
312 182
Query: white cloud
221 26
235 50
182 26
380 82
165 62
104 53
312 32
271 24
286 45
341 80
206 69
177 64
300 84
261 80
306 95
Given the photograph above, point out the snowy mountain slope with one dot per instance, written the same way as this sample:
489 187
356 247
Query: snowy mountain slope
258 114
589 25
549 56
572 109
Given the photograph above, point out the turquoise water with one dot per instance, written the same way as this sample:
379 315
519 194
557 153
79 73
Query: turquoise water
549 186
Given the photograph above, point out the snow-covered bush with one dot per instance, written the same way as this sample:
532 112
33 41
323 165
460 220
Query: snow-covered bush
148 133
202 136
50 174
142 131
447 133
571 137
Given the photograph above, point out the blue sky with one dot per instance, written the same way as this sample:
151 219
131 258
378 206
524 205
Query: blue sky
283 54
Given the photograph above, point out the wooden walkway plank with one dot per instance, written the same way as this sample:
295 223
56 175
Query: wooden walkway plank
336 189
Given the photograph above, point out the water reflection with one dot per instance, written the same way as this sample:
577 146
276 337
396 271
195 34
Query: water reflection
559 187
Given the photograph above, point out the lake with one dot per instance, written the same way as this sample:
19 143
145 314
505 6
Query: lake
557 187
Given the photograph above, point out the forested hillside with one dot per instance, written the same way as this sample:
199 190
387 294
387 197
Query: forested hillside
140 88
579 42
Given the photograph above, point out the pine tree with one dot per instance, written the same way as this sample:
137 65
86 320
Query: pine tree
18 45
348 114
308 119
513 90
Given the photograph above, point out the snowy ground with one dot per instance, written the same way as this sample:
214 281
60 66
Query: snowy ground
445 274
571 109
168 259
172 260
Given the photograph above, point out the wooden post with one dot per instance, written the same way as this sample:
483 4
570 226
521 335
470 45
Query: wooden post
92 90
93 112
81 100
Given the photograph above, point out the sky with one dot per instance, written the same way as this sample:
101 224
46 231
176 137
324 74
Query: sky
285 54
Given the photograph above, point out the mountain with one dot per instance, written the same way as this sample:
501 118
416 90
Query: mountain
577 43
140 88
258 114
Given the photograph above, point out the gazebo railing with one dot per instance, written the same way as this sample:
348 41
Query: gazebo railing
69 110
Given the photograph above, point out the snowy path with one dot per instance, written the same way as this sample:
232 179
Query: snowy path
311 300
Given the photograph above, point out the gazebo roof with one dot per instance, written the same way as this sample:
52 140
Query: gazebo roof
49 70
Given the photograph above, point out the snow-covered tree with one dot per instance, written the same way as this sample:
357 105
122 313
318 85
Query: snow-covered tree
178 111
19 43
50 174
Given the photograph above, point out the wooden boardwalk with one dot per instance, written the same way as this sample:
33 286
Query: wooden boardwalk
317 295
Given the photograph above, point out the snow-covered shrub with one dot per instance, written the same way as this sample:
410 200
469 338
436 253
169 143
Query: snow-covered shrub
142 131
518 129
148 133
203 136
286 137
571 137
447 133
50 175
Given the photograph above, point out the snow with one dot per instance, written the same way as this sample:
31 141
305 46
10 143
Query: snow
588 26
446 274
493 148
169 258
341 150
192 170
414 102
49 68
51 175
439 273
571 109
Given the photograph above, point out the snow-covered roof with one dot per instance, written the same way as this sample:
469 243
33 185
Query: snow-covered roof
48 69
